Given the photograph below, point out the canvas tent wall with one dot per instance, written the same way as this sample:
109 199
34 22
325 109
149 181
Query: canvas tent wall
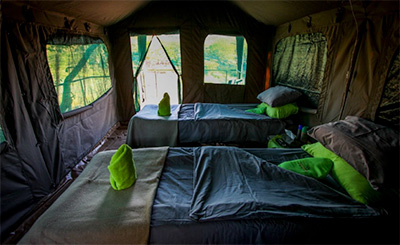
42 144
195 21
362 47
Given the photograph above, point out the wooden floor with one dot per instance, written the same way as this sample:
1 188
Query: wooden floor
112 141
116 139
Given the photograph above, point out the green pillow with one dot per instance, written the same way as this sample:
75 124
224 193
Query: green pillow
352 181
314 167
282 111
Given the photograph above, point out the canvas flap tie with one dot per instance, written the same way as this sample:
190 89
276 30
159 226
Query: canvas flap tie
122 168
164 107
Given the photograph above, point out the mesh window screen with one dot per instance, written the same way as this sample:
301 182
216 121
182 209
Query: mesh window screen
172 46
80 73
156 63
225 59
2 138
139 45
389 109
299 62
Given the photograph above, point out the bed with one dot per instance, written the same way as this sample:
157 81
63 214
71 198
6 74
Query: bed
201 123
205 200
210 194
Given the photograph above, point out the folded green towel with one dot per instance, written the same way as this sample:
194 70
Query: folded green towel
164 107
122 168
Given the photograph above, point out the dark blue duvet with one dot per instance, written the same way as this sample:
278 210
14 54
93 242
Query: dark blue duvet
218 123
232 195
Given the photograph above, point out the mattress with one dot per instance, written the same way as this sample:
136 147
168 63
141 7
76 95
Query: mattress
201 123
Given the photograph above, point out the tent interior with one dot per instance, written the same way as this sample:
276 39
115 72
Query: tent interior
54 110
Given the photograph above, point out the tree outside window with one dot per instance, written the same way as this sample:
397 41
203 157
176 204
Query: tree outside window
225 59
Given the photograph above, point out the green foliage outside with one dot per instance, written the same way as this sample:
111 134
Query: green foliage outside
222 63
80 73
156 75
136 52
170 42
2 138
172 45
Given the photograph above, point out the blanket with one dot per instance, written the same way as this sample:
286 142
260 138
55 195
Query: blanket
148 129
218 123
91 211
234 184
204 111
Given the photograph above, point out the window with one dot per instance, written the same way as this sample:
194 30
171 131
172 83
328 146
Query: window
225 59
299 62
156 63
2 138
80 73
388 112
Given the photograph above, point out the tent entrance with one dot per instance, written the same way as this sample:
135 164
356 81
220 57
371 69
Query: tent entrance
158 70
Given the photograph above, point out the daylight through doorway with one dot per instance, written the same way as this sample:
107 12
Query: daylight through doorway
157 69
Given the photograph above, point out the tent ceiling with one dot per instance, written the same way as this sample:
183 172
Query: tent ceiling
279 12
101 12
106 13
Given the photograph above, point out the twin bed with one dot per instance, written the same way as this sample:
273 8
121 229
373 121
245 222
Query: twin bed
241 196
183 195
217 194
202 123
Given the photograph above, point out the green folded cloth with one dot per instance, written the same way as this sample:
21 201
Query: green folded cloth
164 107
260 109
122 168
314 167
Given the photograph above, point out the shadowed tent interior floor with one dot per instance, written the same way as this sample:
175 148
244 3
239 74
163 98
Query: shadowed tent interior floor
115 137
